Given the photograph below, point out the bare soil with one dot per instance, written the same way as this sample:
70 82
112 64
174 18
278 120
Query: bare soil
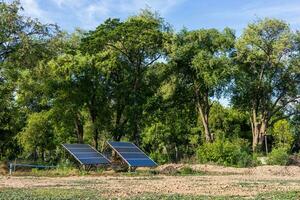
216 181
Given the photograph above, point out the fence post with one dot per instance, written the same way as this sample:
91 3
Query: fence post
10 168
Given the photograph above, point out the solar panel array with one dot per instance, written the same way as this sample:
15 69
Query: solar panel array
85 154
131 154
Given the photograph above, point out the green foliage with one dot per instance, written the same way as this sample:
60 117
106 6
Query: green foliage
225 152
266 85
282 134
137 80
168 136
137 44
201 58
229 122
278 156
23 43
38 135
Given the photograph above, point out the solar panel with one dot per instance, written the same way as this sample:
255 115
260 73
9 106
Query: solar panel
131 154
85 154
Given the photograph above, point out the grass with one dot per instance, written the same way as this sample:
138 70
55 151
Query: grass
187 171
260 182
85 194
73 171
50 172
58 172
48 194
290 195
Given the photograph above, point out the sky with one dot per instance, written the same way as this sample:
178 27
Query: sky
191 14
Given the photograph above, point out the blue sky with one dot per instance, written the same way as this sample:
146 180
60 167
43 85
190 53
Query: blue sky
192 14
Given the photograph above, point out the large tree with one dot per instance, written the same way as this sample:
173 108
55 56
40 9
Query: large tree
78 84
201 58
268 78
137 44
23 41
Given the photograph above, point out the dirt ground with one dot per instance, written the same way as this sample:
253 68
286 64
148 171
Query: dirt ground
216 180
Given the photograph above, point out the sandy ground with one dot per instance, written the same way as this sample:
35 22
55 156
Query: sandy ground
245 182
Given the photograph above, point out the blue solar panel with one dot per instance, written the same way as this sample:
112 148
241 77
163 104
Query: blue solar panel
86 154
122 144
142 163
126 149
131 154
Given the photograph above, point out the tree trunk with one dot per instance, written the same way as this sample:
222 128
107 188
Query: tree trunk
119 124
79 129
136 135
203 109
43 154
35 154
93 114
205 123
259 128
96 135
95 128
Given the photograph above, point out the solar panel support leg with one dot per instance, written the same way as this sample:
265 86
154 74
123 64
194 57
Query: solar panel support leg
131 169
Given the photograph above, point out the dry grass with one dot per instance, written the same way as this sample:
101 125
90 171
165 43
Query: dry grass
187 180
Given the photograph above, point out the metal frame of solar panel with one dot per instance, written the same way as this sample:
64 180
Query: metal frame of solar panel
132 154
86 154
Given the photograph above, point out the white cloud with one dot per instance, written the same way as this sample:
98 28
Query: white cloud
68 3
91 12
159 5
120 5
32 9
290 12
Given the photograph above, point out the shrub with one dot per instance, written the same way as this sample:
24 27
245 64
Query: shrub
226 152
278 156
159 157
283 134
186 171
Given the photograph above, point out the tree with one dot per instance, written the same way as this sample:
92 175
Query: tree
137 44
38 135
168 121
202 58
78 84
267 83
22 37
23 41
43 89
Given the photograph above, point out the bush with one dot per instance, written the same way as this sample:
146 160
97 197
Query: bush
159 157
278 156
226 152
186 171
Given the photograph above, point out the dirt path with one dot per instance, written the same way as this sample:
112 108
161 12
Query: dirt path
245 183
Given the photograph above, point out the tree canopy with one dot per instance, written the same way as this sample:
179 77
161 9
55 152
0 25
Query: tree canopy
139 80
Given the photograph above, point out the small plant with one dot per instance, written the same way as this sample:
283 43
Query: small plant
153 172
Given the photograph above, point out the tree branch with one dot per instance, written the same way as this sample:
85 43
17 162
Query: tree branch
284 117
296 99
